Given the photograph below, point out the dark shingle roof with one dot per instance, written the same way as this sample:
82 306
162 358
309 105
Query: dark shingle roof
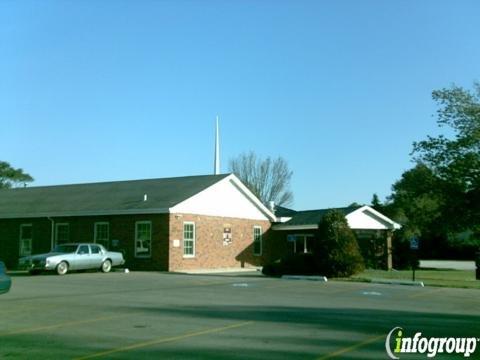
102 198
313 217
282 211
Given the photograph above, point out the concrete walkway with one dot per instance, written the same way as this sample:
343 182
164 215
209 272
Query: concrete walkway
448 264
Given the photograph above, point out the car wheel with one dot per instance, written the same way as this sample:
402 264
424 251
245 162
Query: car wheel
106 266
62 268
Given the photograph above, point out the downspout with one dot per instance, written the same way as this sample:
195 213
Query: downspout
52 232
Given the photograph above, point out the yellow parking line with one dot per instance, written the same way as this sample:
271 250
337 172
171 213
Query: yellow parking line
351 348
59 325
164 340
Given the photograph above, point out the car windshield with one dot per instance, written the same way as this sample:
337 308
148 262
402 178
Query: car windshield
65 249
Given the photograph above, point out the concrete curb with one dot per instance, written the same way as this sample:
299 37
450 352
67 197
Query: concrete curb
397 282
305 277
219 271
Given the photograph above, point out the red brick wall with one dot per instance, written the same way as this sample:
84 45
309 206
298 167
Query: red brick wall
10 238
122 228
210 251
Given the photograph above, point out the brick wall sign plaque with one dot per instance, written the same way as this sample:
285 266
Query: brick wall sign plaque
227 235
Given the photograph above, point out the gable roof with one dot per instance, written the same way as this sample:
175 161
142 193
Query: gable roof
309 219
104 198
227 198
282 211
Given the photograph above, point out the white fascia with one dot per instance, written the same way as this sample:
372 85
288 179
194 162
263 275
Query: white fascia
295 227
251 196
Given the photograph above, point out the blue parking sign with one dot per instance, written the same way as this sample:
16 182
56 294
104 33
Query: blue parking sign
414 243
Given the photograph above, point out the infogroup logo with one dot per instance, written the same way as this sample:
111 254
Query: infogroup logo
429 346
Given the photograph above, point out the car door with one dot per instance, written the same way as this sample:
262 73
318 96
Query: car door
96 256
82 258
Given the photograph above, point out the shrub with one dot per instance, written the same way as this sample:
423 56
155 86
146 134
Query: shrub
337 250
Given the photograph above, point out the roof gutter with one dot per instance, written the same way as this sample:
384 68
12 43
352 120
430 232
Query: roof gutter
86 213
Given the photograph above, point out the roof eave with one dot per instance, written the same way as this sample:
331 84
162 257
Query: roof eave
85 213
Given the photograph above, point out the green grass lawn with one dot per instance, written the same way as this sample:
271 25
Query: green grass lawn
448 278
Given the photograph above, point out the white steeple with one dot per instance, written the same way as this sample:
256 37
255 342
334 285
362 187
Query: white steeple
216 161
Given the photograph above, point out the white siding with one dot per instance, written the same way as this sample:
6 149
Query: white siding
223 199
364 219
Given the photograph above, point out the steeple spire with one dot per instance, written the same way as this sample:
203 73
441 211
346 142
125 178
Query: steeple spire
216 161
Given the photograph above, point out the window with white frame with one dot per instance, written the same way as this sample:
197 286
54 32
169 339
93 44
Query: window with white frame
62 233
257 240
303 244
102 233
26 236
143 239
188 239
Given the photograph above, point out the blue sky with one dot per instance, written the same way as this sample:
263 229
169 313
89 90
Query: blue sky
115 90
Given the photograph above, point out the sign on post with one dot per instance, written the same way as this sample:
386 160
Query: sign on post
414 243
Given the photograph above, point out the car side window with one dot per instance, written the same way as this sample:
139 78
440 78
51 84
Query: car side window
83 249
95 249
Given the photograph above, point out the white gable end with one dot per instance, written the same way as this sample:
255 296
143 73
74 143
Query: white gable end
224 199
367 220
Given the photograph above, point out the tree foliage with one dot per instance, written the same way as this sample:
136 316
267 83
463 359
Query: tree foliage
11 177
440 196
455 158
269 179
338 251
419 196
376 203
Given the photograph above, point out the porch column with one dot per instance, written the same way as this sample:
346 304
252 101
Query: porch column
389 250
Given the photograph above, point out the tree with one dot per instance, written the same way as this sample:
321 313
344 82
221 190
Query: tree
376 203
338 252
419 196
354 204
455 159
269 179
418 203
11 177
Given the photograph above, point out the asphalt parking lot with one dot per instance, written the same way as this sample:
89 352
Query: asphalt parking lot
142 315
